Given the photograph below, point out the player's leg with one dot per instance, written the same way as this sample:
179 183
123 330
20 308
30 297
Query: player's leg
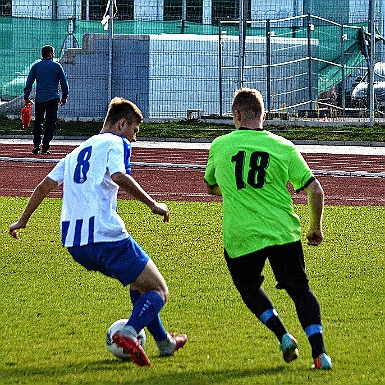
246 274
289 269
309 315
149 294
153 295
154 291
126 261
167 343
50 123
38 126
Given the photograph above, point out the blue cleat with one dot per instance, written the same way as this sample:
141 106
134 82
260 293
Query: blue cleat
323 361
289 347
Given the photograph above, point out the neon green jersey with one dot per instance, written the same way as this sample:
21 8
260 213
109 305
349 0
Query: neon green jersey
252 168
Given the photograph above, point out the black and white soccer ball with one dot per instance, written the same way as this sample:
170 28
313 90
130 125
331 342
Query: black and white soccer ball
116 350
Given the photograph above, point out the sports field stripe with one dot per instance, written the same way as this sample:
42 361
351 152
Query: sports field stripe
202 167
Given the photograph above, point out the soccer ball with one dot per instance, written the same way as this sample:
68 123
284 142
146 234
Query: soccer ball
116 350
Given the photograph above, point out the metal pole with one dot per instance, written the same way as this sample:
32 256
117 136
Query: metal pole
220 69
310 82
372 34
184 15
54 10
343 80
242 32
73 21
268 65
110 48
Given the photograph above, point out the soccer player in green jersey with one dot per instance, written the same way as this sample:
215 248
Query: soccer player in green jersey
250 169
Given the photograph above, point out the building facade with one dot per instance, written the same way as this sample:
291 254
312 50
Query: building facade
199 11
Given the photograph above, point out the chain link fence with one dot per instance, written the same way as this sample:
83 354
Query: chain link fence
178 59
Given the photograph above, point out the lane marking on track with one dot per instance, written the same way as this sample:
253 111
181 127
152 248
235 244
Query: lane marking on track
202 167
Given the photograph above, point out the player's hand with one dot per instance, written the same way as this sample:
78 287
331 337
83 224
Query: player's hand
161 209
314 237
13 229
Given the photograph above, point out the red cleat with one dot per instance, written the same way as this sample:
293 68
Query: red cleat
134 349
180 341
171 344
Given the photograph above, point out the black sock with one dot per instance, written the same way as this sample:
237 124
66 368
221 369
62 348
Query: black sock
317 345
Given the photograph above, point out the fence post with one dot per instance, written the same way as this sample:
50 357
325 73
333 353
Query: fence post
268 65
184 16
310 82
220 68
372 34
343 80
54 10
110 49
242 40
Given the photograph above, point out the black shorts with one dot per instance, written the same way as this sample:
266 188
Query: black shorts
286 261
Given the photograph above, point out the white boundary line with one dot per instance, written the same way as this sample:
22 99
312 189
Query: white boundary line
326 148
202 167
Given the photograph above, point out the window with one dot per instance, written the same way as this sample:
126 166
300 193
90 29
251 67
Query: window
125 10
95 9
5 8
227 10
173 10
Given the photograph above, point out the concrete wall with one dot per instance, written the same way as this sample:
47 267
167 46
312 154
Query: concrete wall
166 75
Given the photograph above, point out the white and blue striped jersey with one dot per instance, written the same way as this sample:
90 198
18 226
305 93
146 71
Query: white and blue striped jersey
89 194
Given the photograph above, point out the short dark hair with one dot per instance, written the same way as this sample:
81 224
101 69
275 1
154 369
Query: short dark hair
249 102
47 50
121 108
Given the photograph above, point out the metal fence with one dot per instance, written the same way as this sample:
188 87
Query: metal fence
185 58
301 63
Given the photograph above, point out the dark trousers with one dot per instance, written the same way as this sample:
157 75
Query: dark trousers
49 109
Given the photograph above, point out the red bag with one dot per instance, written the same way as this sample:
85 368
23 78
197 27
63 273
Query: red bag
26 116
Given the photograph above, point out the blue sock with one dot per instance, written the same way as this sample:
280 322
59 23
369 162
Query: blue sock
314 333
313 329
155 326
267 315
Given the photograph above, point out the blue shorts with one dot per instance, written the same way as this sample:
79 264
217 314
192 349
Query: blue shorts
123 260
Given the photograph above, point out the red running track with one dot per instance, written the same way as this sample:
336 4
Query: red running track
186 184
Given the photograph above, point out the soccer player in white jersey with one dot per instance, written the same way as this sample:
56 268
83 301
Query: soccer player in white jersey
96 236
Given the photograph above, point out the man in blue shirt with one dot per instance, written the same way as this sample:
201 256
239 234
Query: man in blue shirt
48 74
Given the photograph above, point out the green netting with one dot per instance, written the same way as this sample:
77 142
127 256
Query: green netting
22 38
330 51
20 45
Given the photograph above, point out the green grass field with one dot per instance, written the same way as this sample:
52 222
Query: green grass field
194 129
55 314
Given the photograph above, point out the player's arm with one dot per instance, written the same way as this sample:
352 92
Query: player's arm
214 190
128 184
64 86
316 207
40 192
209 177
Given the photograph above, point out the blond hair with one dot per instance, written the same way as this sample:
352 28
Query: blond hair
121 108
